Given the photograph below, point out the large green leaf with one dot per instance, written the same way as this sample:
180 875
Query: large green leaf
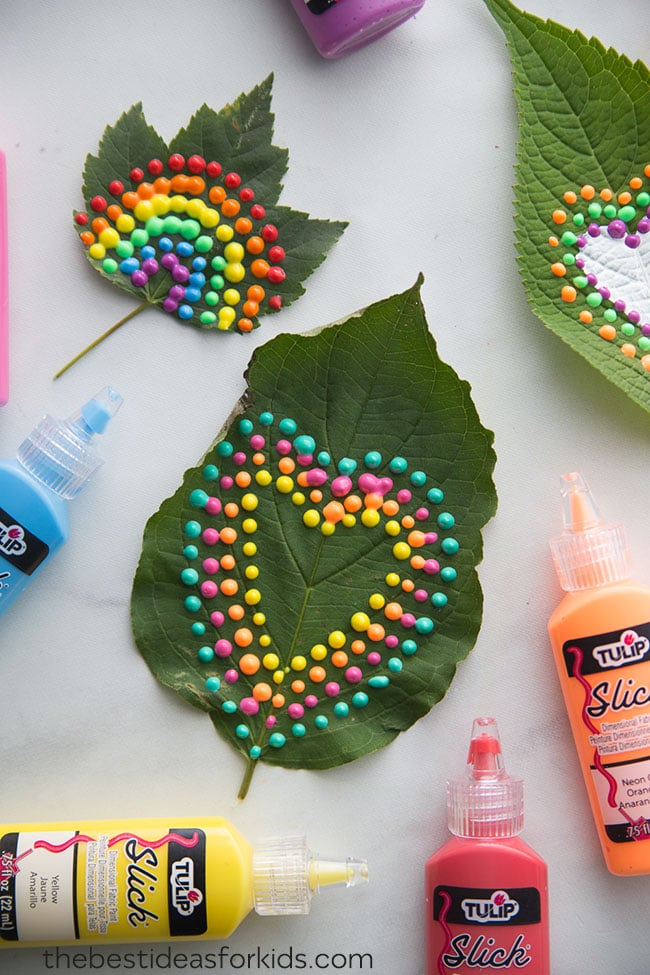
583 192
359 477
192 226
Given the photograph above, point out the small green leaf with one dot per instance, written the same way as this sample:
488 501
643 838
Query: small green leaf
312 584
584 139
194 227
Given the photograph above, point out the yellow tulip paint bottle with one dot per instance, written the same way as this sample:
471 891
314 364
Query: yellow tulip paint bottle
151 880
600 634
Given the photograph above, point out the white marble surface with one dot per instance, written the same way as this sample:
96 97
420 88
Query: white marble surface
413 141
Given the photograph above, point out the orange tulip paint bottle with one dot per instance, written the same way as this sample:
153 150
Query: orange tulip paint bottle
600 634
486 891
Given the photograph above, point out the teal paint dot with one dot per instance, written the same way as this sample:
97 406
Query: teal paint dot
439 599
418 478
449 546
304 444
255 752
446 520
242 731
435 495
266 418
189 577
347 465
409 647
211 472
225 449
424 625
341 709
198 629
398 465
379 681
205 654
192 529
192 604
360 700
191 552
395 665
245 427
323 458
298 730
198 498
229 707
321 721
212 684
372 459
448 574
288 426
277 740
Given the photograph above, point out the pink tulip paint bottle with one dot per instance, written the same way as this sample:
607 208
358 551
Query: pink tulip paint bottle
337 27
486 891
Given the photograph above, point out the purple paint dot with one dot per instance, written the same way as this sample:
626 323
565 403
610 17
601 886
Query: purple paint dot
169 304
150 266
619 304
581 241
580 262
180 273
139 279
169 261
617 229
634 317
605 292
633 241
643 225
177 292
645 328
593 230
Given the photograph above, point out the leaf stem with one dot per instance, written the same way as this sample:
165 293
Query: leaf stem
246 781
127 318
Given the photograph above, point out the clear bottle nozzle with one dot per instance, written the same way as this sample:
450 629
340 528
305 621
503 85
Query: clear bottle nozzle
589 552
286 874
485 801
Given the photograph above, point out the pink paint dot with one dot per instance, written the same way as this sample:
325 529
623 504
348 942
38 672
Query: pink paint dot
217 618
305 459
311 701
226 482
374 658
404 496
431 537
209 589
332 688
239 458
407 620
270 721
391 641
249 706
213 506
210 536
341 486
295 711
422 514
231 676
353 675
284 447
257 441
316 477
211 566
223 648
420 595
431 566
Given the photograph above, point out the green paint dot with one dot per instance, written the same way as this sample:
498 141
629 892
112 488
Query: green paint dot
139 237
211 298
218 263
154 226
644 343
124 248
627 213
109 266
190 229
610 315
610 210
568 238
203 244
643 199
578 219
207 318
628 329
594 210
172 224
580 281
594 300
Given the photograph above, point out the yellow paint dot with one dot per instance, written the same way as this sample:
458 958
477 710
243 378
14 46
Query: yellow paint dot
318 651
348 521
392 527
259 619
360 622
251 572
249 502
234 252
278 677
337 639
311 518
284 484
249 526
97 251
224 233
370 518
125 223
231 296
263 478
401 551
109 237
271 661
252 597
178 204
298 498
234 273
299 663
392 579
327 528
249 549
377 601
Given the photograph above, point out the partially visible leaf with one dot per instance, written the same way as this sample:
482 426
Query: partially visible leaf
584 148
312 585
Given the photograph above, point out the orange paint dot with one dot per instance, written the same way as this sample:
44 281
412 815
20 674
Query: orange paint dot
628 350
236 612
624 198
554 242
568 293
145 191
245 325
162 185
231 510
559 216
558 269
393 611
376 632
408 585
408 522
390 508
228 536
180 182
587 192
249 664
333 512
358 646
217 194
316 496
256 293
352 503
130 199
416 539
286 465
87 238
260 268
243 479
570 197
339 658
228 562
250 309
317 674
229 587
277 700
645 362
373 501
646 171
302 479
586 317
113 211
636 183
243 226
99 224
255 245
417 562
607 332
606 195
262 691
297 686
258 459
243 637
195 185
230 207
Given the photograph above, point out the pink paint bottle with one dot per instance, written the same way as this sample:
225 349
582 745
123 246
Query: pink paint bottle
337 27
486 891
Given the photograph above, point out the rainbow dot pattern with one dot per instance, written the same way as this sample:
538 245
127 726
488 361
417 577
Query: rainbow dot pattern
585 217
190 237
273 687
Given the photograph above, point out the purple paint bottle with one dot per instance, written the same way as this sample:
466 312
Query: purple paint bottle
337 27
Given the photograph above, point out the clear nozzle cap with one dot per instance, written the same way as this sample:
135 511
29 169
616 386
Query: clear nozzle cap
286 875
590 552
61 453
485 801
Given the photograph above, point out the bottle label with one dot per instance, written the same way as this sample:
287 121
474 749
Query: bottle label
64 886
320 6
487 928
612 681
18 546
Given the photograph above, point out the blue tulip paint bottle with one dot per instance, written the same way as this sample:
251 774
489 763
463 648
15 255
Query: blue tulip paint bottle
51 467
